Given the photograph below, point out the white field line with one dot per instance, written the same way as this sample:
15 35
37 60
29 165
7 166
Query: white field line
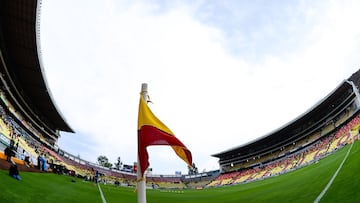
101 194
334 176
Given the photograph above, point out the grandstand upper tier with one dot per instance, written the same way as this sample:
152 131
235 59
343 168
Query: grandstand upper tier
325 117
21 73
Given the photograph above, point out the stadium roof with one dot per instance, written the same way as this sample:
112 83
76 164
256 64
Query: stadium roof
22 74
347 90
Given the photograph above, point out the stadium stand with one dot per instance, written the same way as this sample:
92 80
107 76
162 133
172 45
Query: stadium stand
305 152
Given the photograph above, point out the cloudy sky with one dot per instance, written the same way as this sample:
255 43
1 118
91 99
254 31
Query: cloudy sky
220 73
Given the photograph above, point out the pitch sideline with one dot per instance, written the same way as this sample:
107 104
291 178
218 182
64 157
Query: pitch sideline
101 194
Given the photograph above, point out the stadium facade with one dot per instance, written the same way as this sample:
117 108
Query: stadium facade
22 79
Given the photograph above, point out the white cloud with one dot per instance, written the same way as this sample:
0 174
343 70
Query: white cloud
211 98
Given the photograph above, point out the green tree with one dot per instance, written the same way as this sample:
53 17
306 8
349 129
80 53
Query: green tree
118 164
102 160
108 165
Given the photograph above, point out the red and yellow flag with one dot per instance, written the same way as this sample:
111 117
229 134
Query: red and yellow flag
151 131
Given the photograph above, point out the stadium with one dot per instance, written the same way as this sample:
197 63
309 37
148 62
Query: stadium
312 158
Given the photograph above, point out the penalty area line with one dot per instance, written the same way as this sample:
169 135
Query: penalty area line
333 177
101 194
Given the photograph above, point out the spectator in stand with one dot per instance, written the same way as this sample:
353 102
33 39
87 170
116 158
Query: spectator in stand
12 143
14 172
9 153
16 145
39 162
43 162
26 158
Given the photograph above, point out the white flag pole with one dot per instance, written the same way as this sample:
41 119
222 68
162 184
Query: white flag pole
141 181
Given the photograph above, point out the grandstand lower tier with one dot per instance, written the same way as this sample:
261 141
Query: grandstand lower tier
318 150
292 160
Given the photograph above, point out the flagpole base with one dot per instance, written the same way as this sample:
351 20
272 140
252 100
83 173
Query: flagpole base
141 191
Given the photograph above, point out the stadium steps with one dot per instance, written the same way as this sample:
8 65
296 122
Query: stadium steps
298 162
334 145
214 183
320 153
226 181
4 129
199 184
243 178
260 174
267 173
309 157
276 170
287 166
169 185
344 139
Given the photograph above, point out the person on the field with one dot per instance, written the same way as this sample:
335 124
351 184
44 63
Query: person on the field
97 176
14 172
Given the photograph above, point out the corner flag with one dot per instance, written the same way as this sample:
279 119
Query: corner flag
151 131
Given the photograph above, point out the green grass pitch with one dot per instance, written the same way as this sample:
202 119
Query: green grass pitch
302 185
